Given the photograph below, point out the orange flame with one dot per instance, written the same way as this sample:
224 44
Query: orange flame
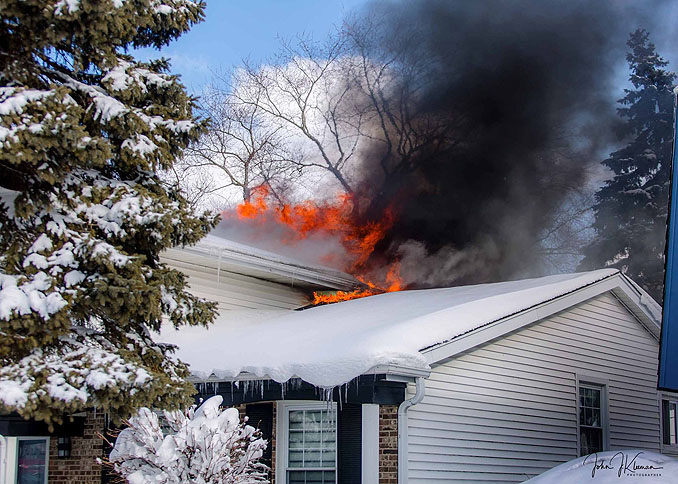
335 218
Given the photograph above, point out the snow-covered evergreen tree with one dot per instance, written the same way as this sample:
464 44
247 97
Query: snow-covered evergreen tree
85 131
204 446
631 208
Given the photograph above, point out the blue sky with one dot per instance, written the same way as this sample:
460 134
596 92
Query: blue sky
236 29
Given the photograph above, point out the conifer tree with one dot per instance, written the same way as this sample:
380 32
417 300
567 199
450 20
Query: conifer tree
86 131
631 208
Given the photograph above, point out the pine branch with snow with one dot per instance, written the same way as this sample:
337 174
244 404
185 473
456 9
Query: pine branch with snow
86 132
209 445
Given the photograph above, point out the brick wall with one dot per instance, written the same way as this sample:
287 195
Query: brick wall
388 444
81 467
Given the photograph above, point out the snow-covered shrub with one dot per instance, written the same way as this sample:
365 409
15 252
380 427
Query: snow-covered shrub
209 445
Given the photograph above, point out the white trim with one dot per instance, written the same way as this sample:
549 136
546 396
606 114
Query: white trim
370 443
16 456
637 302
8 470
282 425
602 384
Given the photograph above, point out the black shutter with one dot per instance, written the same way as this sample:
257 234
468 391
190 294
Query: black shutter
349 444
260 415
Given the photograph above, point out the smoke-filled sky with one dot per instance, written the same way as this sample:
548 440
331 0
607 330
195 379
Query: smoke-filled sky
526 90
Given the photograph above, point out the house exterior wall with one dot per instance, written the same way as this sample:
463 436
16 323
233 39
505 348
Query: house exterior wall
81 467
235 291
507 411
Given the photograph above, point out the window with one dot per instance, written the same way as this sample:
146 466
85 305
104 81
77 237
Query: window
592 418
670 420
32 460
63 447
311 441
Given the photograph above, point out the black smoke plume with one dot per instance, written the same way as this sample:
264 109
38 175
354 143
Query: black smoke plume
526 93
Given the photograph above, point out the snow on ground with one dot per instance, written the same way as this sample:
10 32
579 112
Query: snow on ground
330 345
613 467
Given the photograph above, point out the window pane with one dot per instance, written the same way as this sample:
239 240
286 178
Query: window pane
310 477
31 462
673 422
595 396
329 459
311 458
590 407
312 446
296 419
591 440
296 458
595 417
296 439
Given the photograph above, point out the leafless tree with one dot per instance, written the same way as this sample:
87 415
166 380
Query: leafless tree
241 149
563 241
344 95
306 91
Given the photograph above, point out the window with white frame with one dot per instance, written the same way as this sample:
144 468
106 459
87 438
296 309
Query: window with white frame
31 463
592 418
311 444
670 420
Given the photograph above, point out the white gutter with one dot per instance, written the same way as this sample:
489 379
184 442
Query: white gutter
402 428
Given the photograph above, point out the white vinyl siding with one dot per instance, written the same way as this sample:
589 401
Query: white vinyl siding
507 411
233 290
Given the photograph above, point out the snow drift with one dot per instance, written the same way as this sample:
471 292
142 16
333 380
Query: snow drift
613 467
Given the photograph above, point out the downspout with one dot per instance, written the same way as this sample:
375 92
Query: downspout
402 427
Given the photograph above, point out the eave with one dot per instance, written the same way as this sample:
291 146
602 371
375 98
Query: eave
637 301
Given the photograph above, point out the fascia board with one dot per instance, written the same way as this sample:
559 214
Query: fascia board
616 283
257 266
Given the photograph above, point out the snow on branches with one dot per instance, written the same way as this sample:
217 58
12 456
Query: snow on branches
209 445
86 133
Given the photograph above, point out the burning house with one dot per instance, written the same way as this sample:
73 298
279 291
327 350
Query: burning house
469 383
476 382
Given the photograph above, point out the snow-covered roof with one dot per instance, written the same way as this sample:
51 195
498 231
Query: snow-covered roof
330 345
228 256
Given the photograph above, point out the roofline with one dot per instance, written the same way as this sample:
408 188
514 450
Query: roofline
260 261
637 301
393 373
